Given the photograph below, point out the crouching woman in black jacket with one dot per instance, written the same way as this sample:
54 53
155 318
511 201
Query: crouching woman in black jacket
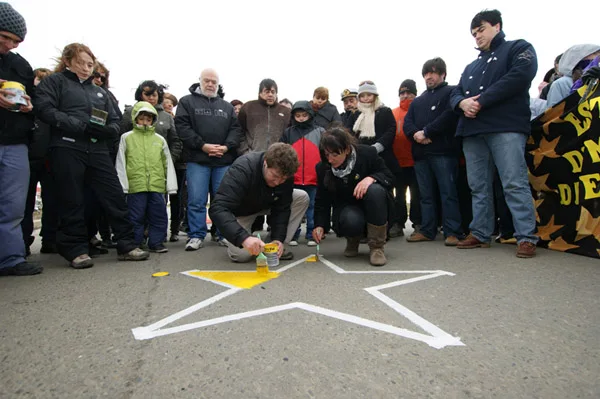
355 181
67 101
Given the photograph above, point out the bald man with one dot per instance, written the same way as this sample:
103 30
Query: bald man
211 134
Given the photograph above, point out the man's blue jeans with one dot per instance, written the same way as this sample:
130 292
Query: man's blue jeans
443 171
14 182
507 152
199 178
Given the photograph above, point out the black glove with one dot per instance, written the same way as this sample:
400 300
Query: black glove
591 74
97 131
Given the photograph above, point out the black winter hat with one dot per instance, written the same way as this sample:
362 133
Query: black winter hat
303 106
11 21
408 85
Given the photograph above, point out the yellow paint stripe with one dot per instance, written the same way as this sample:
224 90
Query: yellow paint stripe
237 279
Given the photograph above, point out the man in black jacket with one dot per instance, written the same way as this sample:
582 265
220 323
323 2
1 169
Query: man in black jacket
430 123
14 131
211 134
259 183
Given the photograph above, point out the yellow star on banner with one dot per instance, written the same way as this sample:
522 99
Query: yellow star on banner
587 225
539 182
551 116
546 149
561 245
544 232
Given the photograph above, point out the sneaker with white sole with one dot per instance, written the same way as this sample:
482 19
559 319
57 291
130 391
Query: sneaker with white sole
222 242
159 249
135 254
293 243
311 243
193 244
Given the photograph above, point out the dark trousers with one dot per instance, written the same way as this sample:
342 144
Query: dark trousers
96 219
372 209
72 171
440 171
177 203
40 174
148 209
406 179
504 216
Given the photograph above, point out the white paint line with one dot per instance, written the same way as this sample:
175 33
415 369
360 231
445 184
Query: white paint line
404 282
188 273
335 268
211 322
192 309
410 315
296 263
429 340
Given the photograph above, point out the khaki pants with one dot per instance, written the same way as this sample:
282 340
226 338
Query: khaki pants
299 205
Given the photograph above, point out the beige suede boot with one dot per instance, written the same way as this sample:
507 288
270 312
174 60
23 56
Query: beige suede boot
376 236
351 247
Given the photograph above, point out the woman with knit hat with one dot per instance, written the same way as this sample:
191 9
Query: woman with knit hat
376 125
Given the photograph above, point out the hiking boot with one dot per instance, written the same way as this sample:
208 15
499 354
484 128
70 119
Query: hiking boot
110 244
174 238
451 241
193 244
352 244
22 269
287 255
472 242
82 262
376 236
396 231
159 249
48 248
417 237
526 249
134 254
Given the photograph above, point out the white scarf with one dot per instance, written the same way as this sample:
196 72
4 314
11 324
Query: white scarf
365 123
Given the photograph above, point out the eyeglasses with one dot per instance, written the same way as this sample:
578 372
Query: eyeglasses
98 75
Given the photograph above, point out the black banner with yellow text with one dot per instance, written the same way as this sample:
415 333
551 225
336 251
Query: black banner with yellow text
563 156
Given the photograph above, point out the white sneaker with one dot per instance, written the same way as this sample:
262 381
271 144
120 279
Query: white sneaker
193 244
311 243
222 242
293 243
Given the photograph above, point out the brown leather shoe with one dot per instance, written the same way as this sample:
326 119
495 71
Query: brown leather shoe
451 241
526 249
471 242
417 237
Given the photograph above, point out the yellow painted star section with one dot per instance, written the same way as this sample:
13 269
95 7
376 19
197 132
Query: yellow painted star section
239 279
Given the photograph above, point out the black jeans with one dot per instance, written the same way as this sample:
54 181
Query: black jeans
372 209
39 173
177 203
73 170
406 179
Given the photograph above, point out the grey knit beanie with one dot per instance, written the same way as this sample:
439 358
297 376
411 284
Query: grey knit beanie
11 21
367 87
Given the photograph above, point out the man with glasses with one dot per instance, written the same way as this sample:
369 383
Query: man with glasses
211 134
259 183
16 122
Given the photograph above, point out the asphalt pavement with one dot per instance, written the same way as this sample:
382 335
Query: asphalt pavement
435 322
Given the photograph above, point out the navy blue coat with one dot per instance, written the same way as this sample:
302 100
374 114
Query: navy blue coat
431 113
502 76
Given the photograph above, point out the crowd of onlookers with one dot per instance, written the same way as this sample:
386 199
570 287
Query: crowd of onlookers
107 175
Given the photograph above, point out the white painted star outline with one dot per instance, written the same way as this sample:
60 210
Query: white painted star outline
435 337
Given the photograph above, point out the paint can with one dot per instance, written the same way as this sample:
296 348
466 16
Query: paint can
271 254
16 91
